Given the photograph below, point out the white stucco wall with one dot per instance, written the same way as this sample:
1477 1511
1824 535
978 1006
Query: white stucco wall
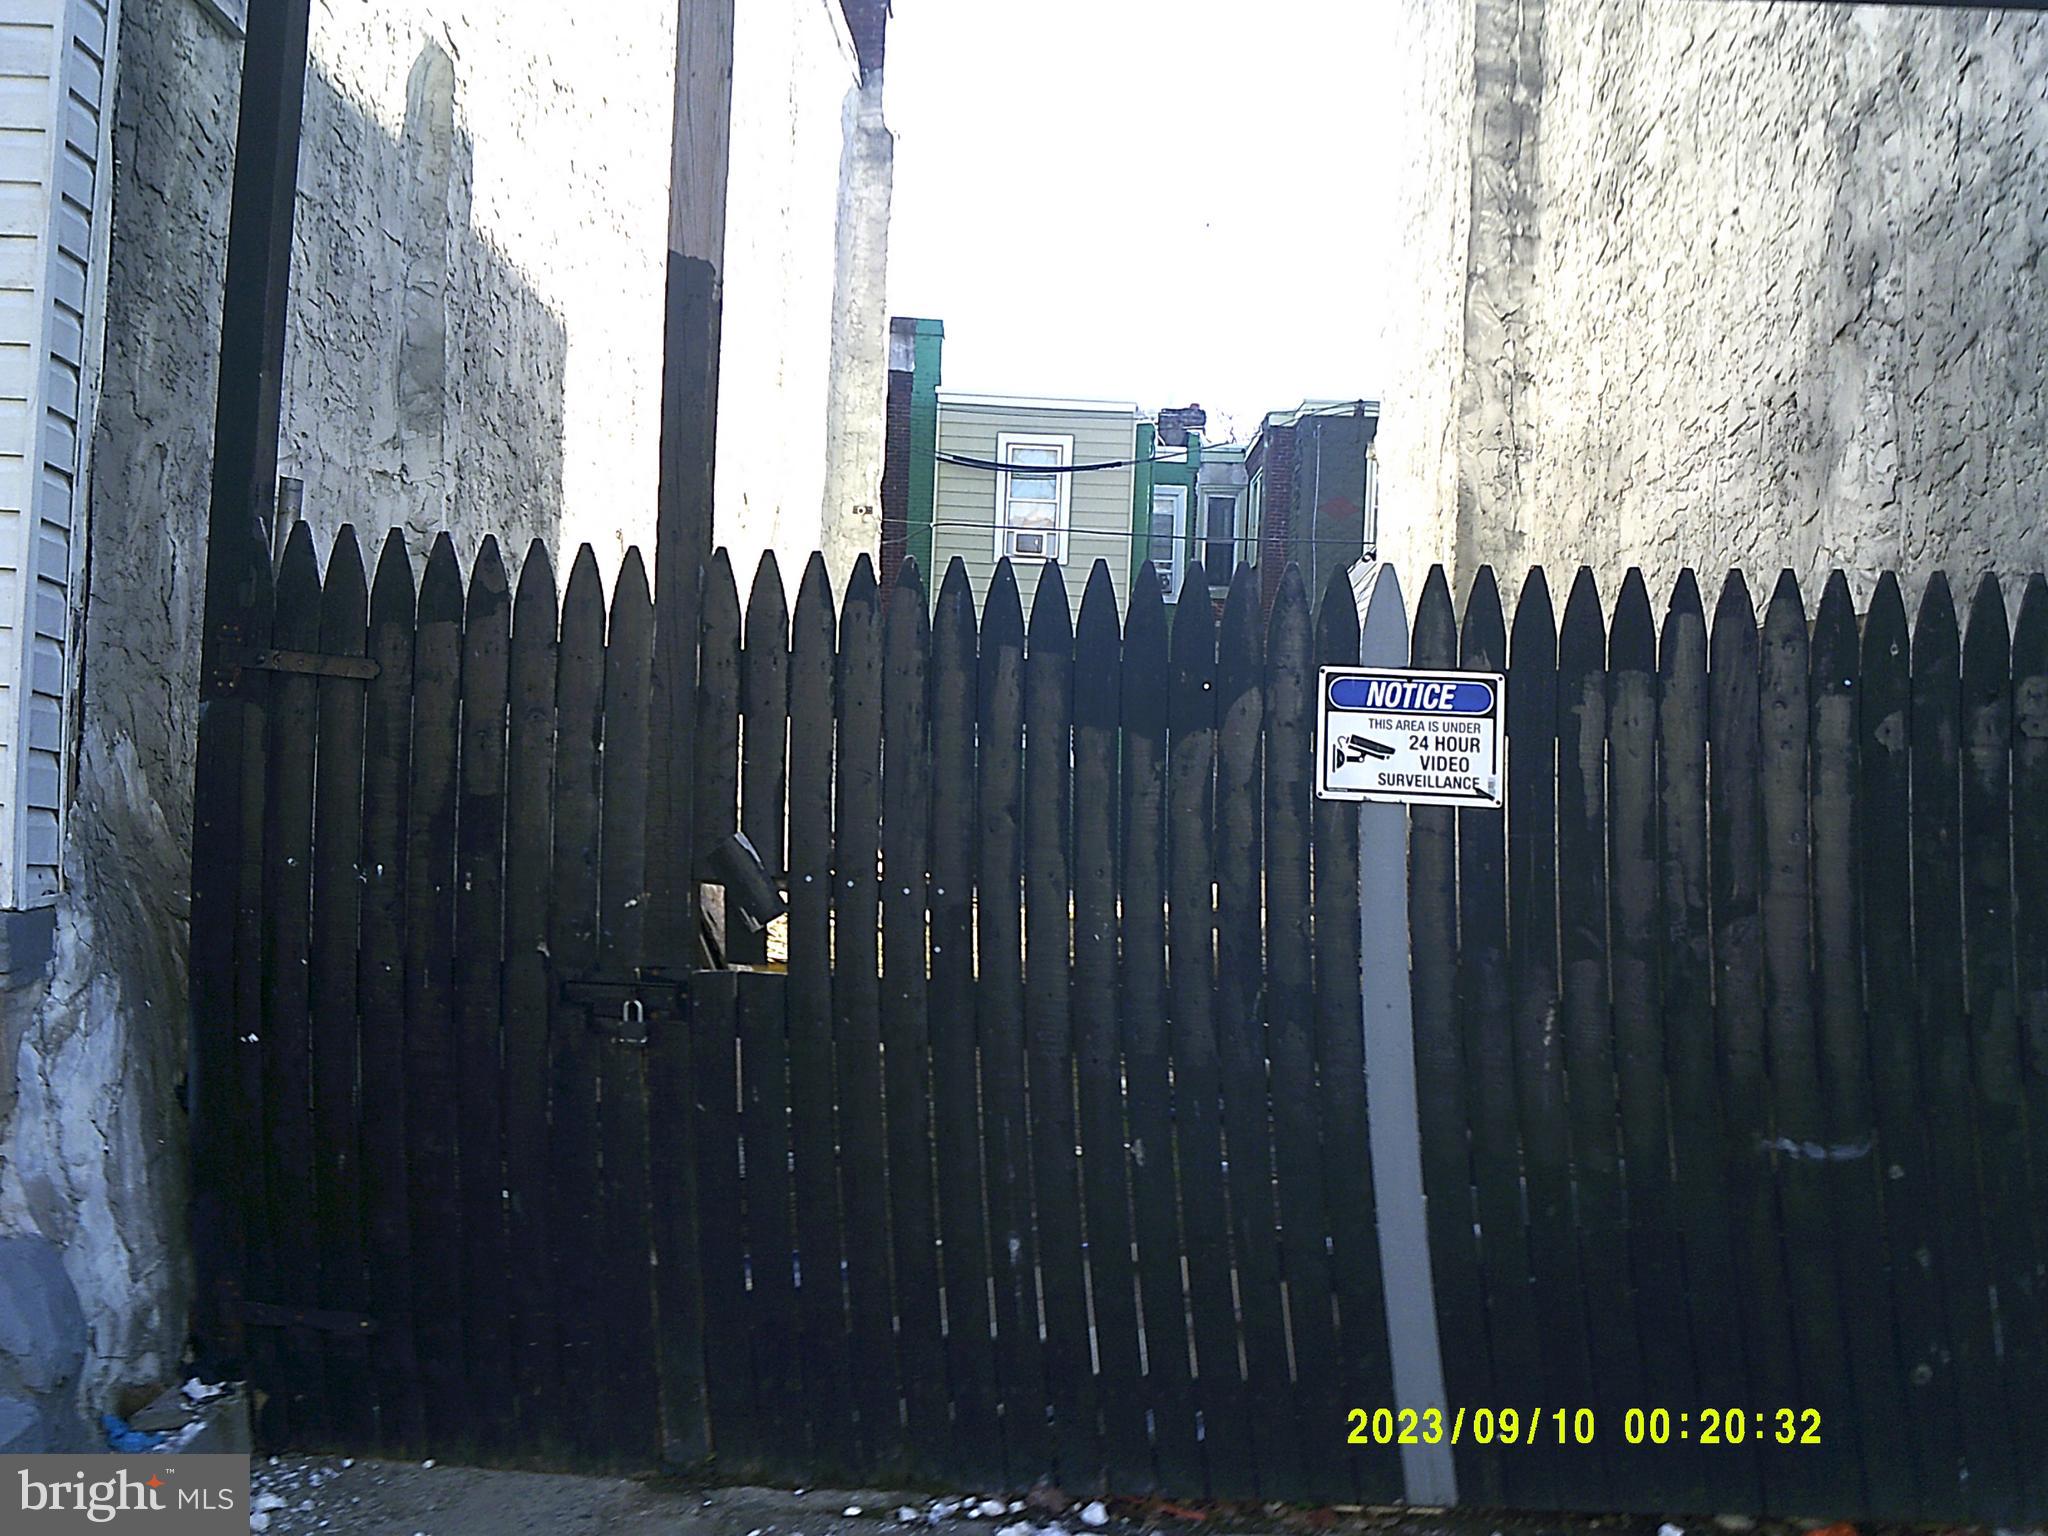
1775 285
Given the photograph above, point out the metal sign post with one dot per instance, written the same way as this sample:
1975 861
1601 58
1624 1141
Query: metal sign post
1427 1470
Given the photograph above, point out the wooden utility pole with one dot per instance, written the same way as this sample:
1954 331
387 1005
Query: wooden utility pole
698 167
245 427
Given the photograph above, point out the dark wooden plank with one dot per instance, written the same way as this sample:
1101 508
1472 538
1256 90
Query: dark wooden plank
1670 1377
1851 1174
1228 1448
1567 1372
1698 1143
977 1447
1278 1446
2017 1273
1514 1330
1366 1361
1589 1032
529 832
1908 1191
1735 837
1112 1277
1155 1193
764 749
248 1161
287 1005
626 1280
713 1043
857 1023
576 1225
906 1045
480 939
715 799
337 900
2030 918
1289 697
1048 948
1798 1126
387 779
433 1083
999 1024
1443 1080
813 1124
1942 1033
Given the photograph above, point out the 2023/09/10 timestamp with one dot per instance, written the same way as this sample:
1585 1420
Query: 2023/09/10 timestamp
1580 1426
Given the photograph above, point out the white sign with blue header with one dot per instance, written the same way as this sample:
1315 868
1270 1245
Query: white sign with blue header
1423 738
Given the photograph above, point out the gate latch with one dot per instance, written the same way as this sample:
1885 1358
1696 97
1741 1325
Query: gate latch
623 1005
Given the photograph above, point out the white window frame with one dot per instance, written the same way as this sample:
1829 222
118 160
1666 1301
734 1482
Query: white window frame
1062 486
1177 565
1254 514
1236 537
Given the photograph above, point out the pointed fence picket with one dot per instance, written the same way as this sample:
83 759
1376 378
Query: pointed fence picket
1044 1152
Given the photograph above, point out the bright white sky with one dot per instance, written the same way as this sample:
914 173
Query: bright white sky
1149 200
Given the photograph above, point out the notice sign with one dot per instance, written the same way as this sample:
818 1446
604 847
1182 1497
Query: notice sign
1426 738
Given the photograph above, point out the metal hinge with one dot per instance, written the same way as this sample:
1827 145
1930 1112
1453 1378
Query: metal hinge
622 1006
264 1314
306 663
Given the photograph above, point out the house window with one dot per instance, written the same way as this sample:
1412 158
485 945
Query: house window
1032 496
1219 548
1169 527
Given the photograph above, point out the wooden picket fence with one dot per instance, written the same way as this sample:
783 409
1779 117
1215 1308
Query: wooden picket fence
1045 1151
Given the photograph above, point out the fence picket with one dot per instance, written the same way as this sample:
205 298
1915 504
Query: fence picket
529 833
296 1410
1227 1446
1049 1032
856 1010
1851 1182
1340 1048
2016 1269
2030 913
1241 1034
1098 675
337 896
480 939
575 1221
1567 1375
1290 693
387 776
716 797
970 1356
1486 1048
764 701
828 1381
1154 1183
1698 1150
1669 1375
1442 1075
906 1043
999 1022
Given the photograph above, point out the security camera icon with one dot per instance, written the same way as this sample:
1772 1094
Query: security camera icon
1346 750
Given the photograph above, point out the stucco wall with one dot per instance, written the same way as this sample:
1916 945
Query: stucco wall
1749 284
475 342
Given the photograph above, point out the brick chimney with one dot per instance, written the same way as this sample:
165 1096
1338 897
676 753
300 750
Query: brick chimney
1177 421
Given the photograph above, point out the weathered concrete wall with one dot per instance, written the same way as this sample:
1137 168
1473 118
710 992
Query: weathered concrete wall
475 343
1742 284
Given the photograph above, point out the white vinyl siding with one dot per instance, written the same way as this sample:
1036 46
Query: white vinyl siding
1169 530
53 86
1098 502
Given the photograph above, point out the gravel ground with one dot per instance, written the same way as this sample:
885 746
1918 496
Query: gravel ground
310 1496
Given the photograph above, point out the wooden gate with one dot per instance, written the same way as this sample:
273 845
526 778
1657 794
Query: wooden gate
1035 1141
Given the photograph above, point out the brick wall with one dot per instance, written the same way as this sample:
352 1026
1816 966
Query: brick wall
1275 456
